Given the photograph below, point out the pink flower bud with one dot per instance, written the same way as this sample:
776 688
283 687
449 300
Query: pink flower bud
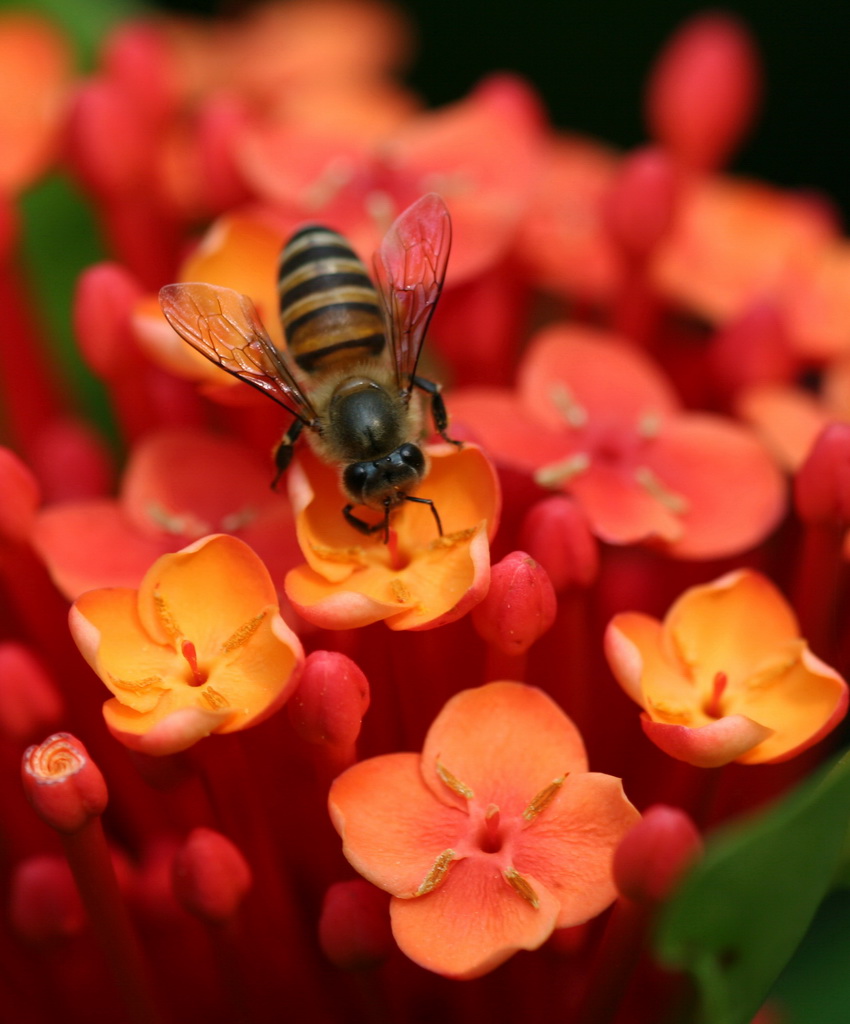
822 485
653 856
21 497
703 91
136 57
63 784
211 877
520 604
555 533
29 700
108 141
331 700
640 207
44 902
752 349
103 304
354 927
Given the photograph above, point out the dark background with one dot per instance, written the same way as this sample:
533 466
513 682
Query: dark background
589 61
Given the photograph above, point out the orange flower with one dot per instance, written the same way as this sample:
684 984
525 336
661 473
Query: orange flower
726 677
491 838
421 578
199 648
34 88
238 252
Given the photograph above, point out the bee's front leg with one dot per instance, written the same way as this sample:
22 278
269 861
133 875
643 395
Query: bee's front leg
284 450
368 528
438 407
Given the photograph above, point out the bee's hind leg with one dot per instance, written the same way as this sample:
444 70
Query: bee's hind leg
284 450
438 407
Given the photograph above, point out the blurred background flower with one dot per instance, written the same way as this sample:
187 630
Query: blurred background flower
612 172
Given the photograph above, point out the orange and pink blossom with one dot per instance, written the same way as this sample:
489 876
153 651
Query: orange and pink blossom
491 838
420 578
595 418
726 676
199 648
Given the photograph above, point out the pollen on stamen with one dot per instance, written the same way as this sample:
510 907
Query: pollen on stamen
437 873
564 401
454 783
543 799
521 887
165 616
243 634
556 474
675 503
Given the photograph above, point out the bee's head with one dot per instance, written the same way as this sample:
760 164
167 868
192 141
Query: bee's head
383 483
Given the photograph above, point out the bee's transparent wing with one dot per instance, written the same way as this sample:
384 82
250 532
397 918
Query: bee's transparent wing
223 325
410 267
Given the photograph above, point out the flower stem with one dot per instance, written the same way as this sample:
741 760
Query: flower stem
91 864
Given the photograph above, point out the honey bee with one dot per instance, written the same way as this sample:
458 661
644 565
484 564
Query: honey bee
349 369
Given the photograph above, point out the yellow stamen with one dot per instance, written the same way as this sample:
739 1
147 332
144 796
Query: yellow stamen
556 474
437 873
673 502
454 783
543 799
521 887
243 634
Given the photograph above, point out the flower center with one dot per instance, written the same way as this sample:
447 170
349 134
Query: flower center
198 676
490 836
714 705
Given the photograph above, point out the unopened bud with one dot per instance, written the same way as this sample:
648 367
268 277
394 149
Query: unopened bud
654 855
44 903
641 204
704 90
520 604
63 784
210 875
105 298
752 349
555 532
331 700
354 927
21 497
822 484
30 702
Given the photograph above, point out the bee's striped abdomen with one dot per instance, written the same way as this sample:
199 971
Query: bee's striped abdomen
329 307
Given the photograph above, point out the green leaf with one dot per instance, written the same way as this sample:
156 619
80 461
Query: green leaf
85 22
740 914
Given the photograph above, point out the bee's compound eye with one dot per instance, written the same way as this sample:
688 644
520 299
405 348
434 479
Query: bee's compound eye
412 456
355 478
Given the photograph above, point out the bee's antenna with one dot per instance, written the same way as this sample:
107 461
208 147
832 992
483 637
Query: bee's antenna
434 512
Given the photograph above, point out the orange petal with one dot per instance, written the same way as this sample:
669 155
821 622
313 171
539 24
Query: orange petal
649 671
207 592
91 544
418 581
106 627
177 731
473 922
581 828
504 741
591 373
731 625
708 746
800 704
733 493
393 830
34 88
787 419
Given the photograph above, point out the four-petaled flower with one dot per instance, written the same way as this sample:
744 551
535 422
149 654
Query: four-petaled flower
199 648
726 677
594 417
425 576
491 838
